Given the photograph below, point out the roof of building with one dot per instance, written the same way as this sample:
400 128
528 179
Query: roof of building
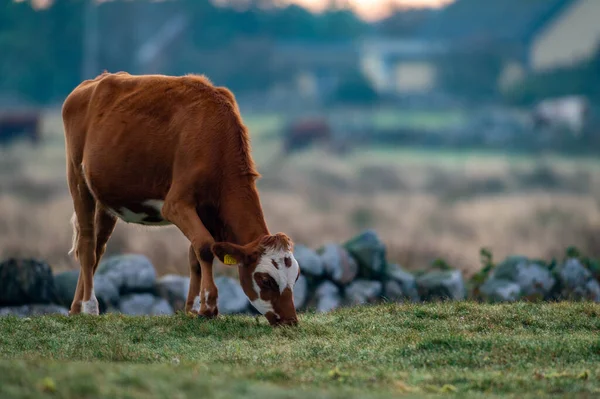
485 21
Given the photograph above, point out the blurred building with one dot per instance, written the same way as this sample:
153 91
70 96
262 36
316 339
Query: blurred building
401 66
512 37
315 68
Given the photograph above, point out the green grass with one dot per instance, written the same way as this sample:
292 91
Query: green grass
397 118
459 349
382 118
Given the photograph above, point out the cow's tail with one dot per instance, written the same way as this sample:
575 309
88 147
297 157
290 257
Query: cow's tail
75 225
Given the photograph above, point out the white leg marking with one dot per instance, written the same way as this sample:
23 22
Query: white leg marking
196 305
91 306
75 226
209 307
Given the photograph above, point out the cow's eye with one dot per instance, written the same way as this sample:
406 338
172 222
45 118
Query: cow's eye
267 282
270 283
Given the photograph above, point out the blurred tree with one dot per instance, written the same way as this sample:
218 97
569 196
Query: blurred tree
42 50
403 23
355 89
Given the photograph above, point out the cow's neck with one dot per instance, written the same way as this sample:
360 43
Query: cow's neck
242 212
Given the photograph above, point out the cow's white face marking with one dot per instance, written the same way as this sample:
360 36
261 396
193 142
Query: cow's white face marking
263 306
284 274
91 306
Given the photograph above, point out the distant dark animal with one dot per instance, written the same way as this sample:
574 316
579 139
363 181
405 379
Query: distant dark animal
19 124
303 133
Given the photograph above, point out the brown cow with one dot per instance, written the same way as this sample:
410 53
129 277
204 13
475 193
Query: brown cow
160 150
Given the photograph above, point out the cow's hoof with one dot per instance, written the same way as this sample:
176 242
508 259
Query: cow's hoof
90 307
75 308
208 313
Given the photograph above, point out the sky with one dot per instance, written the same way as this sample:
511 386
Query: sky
371 9
368 9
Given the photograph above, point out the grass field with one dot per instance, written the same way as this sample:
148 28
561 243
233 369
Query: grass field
460 349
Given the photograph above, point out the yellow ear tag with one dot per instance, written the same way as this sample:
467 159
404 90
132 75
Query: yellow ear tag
230 260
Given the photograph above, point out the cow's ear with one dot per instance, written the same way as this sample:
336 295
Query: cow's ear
229 254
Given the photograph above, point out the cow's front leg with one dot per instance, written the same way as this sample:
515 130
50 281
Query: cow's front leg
202 287
182 213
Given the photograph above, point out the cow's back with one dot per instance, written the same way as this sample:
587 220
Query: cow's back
131 131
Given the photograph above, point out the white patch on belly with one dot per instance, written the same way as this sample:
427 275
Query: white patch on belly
132 217
129 216
112 212
156 204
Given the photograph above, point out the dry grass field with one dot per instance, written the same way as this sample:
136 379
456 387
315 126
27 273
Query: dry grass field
425 205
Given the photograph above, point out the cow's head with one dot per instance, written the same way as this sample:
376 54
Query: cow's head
268 272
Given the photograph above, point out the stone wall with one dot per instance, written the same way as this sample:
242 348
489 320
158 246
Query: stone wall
356 272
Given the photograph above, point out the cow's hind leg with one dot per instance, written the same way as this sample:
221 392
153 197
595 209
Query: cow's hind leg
76 304
84 203
105 225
